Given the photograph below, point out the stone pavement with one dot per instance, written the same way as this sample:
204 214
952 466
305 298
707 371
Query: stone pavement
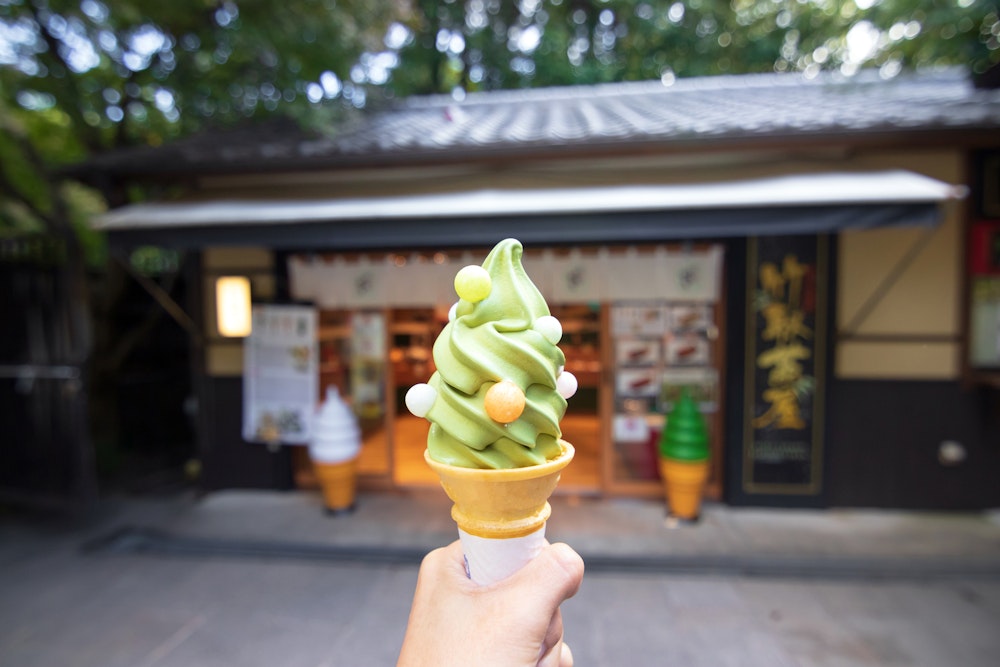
612 534
251 578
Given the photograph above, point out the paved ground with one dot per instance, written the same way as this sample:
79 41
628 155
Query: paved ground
131 602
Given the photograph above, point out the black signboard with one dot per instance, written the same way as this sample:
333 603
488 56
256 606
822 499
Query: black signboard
785 355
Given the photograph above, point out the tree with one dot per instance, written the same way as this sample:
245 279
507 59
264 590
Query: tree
489 44
81 77
78 78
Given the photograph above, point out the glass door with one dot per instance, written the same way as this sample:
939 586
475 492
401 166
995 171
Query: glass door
412 332
581 426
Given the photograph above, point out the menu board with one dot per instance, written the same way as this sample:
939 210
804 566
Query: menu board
280 379
783 420
659 348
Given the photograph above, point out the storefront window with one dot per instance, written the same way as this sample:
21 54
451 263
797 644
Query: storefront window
352 358
658 348
412 335
638 324
581 343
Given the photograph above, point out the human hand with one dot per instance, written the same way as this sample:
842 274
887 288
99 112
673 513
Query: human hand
512 623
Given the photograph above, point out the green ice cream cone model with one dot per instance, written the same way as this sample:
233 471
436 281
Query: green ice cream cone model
684 458
494 404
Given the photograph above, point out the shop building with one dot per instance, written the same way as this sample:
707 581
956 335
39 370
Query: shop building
815 258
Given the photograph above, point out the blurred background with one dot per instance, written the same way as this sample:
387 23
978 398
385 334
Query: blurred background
789 209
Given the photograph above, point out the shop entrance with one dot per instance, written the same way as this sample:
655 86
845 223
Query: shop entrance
581 343
639 325
412 332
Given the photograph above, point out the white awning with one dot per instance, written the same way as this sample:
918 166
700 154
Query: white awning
801 203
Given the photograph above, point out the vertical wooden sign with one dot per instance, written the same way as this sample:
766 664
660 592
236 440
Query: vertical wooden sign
785 370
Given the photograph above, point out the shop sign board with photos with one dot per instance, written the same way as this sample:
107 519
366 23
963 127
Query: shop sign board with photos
785 366
659 347
280 380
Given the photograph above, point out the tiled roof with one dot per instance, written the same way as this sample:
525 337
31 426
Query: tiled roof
689 113
712 107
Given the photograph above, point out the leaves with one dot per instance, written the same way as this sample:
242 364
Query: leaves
79 77
581 42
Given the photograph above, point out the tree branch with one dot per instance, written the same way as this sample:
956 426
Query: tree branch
89 136
56 221
13 192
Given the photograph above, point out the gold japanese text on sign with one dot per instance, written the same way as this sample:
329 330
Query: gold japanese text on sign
785 325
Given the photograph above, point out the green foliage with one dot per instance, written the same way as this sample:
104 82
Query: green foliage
80 77
567 42
83 204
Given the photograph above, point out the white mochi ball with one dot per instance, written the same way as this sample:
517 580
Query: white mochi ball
420 398
549 327
566 384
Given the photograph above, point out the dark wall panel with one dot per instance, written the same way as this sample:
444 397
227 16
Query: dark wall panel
228 461
884 438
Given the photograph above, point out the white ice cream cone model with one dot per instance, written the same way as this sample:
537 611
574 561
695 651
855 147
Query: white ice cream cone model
334 452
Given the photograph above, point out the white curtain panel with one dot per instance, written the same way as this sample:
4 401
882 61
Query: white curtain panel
626 274
578 277
687 275
332 277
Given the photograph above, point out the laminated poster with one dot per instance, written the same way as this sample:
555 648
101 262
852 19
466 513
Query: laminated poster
281 374
368 363
984 333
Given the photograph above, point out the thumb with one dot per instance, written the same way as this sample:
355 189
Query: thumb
553 576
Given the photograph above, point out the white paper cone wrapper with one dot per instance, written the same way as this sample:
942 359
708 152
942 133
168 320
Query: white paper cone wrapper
488 560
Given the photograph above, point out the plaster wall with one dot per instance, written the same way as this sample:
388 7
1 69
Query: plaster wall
909 281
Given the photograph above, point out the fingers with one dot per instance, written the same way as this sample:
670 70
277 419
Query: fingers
521 613
550 654
532 595
555 576
553 658
558 656
446 562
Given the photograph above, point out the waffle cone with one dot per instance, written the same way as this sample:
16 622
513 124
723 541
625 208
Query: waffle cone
337 482
684 483
502 504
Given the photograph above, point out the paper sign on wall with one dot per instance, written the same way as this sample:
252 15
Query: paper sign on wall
280 378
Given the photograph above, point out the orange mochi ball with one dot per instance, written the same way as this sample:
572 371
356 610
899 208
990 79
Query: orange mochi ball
504 402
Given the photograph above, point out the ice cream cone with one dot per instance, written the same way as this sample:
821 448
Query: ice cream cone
684 482
501 514
338 482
